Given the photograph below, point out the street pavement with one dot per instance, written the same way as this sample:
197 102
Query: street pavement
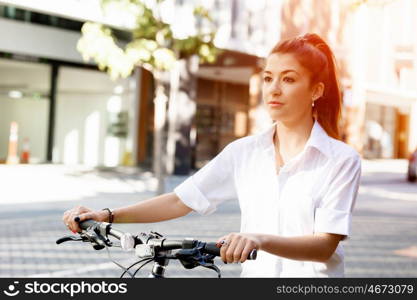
33 198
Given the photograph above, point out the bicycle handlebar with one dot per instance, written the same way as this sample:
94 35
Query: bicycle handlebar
85 224
150 247
155 240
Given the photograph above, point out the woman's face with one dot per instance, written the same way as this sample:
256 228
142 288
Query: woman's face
287 91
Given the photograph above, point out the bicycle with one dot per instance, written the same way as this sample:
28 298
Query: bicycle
150 247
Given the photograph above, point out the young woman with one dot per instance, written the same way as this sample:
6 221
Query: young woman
296 182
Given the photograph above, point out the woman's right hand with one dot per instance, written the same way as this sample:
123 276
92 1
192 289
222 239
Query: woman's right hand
83 213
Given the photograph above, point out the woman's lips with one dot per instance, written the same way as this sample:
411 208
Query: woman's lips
275 104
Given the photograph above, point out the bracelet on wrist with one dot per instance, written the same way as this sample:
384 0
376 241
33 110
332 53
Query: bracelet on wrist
111 216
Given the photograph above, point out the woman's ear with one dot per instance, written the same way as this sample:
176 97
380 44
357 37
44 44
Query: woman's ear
318 91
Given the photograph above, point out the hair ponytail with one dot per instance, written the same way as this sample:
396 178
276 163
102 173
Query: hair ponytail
315 54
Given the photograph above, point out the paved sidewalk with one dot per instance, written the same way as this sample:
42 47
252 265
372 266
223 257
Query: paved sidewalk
33 198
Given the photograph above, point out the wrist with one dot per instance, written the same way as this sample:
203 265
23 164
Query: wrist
102 216
262 240
108 215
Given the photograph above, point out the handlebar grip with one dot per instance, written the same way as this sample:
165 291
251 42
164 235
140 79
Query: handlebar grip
211 248
253 254
86 224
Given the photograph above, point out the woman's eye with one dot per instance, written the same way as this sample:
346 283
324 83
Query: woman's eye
267 79
288 79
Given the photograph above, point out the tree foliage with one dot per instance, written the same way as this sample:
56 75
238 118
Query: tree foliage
153 43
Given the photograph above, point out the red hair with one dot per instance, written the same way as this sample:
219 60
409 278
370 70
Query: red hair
315 55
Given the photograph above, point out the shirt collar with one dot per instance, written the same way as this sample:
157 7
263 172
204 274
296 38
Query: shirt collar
318 139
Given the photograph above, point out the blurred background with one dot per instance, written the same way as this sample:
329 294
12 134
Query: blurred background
106 103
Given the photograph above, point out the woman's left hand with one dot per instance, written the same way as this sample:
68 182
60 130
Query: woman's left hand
236 247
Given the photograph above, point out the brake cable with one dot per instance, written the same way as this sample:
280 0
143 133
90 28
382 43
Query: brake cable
126 270
137 270
146 260
99 242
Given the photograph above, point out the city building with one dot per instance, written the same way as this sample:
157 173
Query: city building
69 112
66 110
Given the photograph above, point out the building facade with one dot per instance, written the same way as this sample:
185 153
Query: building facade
69 112
376 50
79 130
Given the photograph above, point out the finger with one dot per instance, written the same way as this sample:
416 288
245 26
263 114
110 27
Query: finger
246 251
231 249
69 216
219 244
223 250
224 244
78 218
65 214
83 209
220 241
86 216
72 224
238 251
65 217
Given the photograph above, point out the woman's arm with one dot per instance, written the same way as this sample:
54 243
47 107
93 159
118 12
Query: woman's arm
318 247
161 208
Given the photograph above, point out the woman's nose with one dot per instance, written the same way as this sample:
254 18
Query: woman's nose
275 88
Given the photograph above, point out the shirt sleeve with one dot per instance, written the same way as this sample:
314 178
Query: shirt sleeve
211 185
334 213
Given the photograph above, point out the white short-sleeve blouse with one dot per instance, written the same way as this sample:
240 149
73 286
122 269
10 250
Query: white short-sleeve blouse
313 192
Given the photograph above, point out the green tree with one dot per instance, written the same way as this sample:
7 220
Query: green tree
155 47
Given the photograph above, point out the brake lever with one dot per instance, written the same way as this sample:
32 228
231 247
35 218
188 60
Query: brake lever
97 236
214 268
96 240
68 238
191 258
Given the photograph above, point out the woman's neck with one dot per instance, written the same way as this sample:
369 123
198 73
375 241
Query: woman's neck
294 134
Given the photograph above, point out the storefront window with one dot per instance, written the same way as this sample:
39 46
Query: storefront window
24 99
